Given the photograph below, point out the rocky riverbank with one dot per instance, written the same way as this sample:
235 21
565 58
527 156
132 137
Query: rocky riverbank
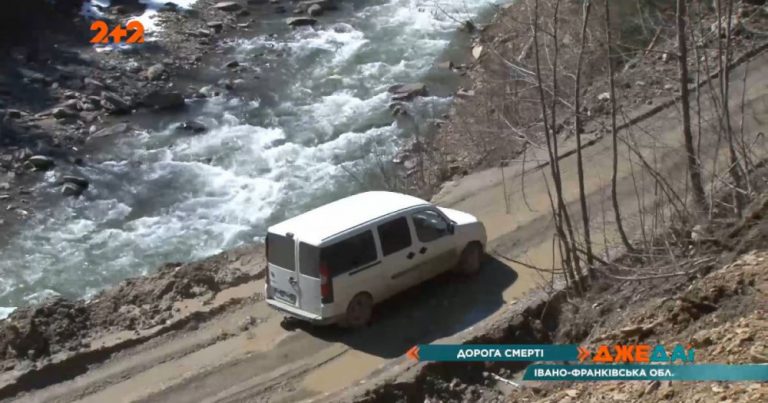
61 99
59 95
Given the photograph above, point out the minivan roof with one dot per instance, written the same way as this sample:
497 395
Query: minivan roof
316 225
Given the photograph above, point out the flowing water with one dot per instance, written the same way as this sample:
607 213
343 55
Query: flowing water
319 119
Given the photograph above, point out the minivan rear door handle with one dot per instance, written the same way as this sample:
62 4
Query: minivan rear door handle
292 280
423 250
410 255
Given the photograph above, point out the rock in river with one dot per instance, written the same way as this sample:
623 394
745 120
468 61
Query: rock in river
163 100
230 6
301 21
406 92
314 10
81 182
118 128
192 126
40 162
71 189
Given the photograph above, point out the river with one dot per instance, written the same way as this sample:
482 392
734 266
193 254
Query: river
315 119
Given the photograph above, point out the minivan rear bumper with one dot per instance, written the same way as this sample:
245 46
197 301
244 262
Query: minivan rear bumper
300 314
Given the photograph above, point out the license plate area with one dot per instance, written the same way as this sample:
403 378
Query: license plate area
285 296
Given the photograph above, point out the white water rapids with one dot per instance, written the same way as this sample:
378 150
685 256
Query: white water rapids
159 196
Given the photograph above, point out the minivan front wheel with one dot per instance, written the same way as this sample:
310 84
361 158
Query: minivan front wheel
359 311
470 260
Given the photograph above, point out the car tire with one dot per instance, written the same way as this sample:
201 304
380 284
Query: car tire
359 311
471 259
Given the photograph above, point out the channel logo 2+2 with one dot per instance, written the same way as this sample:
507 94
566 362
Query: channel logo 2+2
118 33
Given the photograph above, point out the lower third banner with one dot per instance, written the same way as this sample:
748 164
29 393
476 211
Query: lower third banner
686 372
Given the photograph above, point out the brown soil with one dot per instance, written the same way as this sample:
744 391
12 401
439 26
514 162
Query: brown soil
61 326
719 307
497 117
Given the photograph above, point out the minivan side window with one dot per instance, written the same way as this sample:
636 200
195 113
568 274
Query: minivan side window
351 253
280 251
308 260
394 235
429 225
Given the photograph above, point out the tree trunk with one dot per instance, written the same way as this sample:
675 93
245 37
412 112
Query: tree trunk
694 168
577 130
614 133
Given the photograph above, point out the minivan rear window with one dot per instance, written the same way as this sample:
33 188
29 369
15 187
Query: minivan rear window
280 250
350 253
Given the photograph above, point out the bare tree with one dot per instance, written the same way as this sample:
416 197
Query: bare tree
614 132
694 167
559 211
725 58
577 131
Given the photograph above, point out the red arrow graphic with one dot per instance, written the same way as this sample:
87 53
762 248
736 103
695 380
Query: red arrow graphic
583 353
413 353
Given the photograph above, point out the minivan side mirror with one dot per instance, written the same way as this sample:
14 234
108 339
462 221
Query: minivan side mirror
451 228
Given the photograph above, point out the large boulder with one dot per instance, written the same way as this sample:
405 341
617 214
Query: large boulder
163 100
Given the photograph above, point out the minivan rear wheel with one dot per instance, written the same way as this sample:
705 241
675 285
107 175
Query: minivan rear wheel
470 260
359 311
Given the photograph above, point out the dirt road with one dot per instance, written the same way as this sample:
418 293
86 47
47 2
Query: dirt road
245 354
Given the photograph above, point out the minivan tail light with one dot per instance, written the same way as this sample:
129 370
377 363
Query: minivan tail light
326 287
266 255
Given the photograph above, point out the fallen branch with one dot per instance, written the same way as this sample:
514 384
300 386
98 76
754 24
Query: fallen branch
658 276
631 331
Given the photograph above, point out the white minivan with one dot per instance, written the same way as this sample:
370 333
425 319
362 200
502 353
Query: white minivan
333 263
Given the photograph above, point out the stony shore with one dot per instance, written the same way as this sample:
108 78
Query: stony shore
61 99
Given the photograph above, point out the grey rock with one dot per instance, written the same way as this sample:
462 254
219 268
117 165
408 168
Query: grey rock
114 103
155 72
163 100
40 162
323 5
81 182
315 10
192 126
93 86
217 26
72 104
301 21
407 92
232 64
13 113
63 113
229 6
71 189
113 130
